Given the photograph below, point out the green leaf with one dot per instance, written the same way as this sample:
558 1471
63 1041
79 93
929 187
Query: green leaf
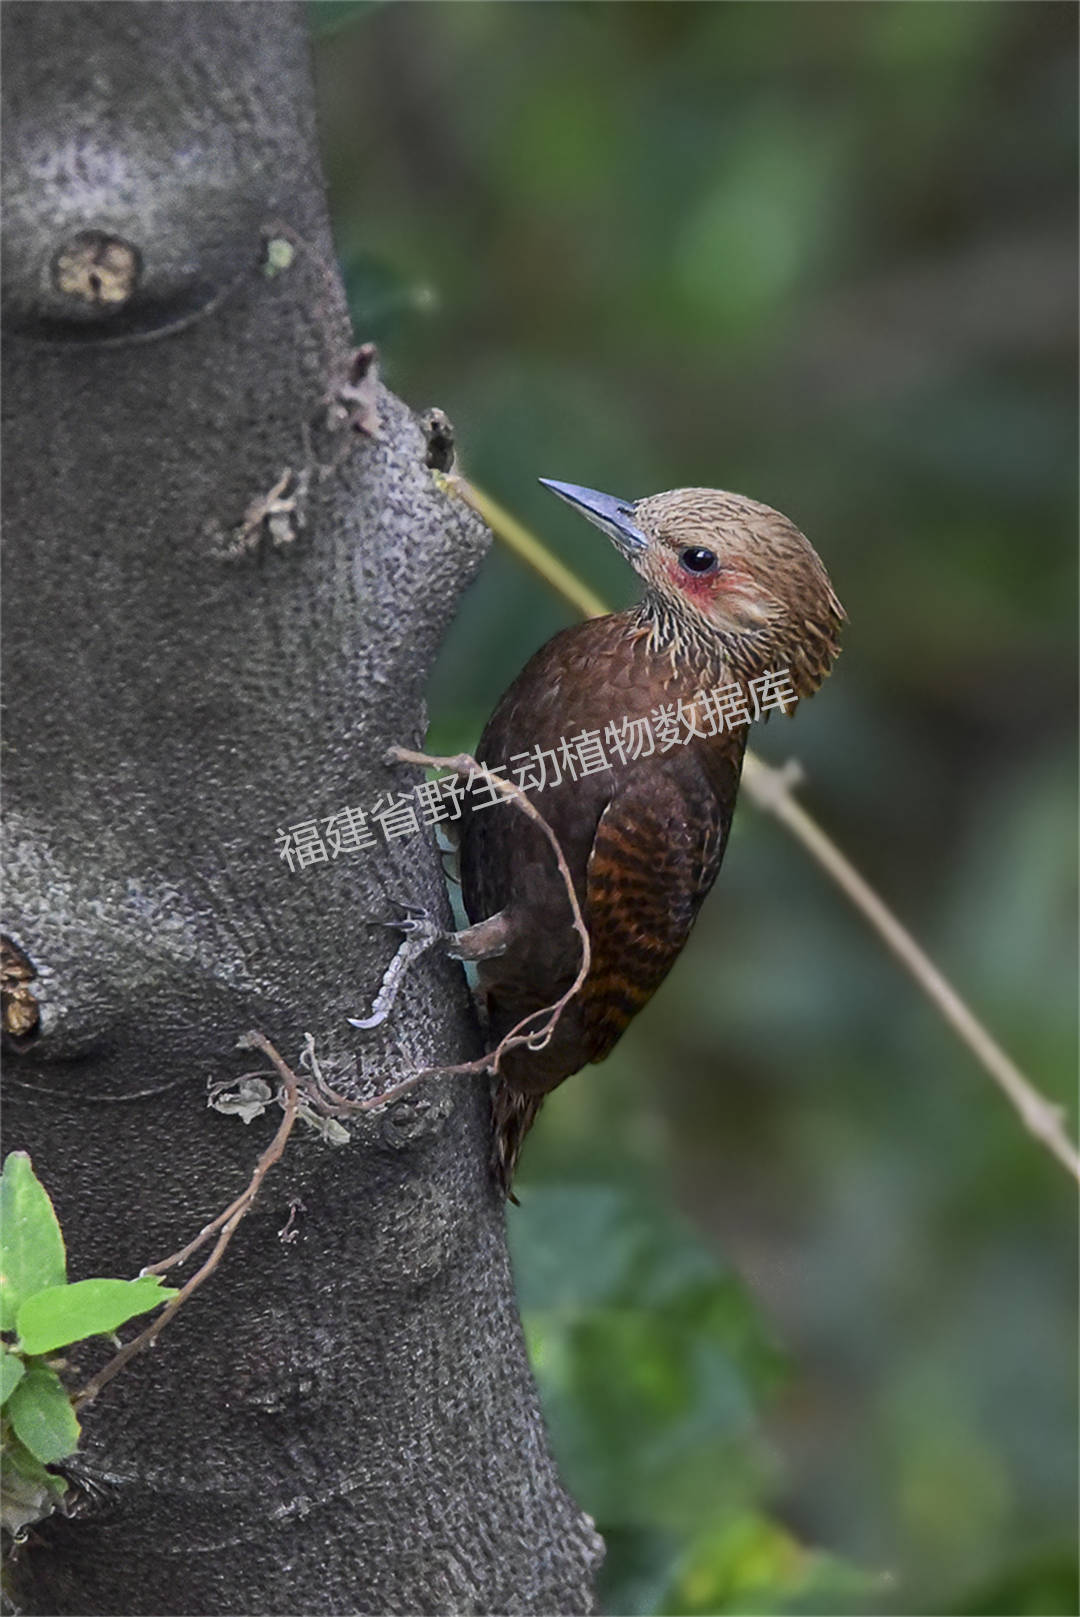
11 1373
605 1277
42 1417
752 1564
31 1246
27 1491
17 1457
65 1314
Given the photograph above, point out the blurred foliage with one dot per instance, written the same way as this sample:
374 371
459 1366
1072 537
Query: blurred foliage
824 254
653 1365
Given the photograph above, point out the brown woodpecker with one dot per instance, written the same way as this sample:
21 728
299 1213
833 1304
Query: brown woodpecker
733 594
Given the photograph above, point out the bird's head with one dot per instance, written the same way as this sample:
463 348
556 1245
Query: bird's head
726 579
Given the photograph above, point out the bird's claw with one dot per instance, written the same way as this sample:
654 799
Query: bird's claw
420 933
376 1019
414 920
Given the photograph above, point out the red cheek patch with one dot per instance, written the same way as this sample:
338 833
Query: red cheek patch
705 587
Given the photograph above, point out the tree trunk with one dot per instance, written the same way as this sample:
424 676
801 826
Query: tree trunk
344 1421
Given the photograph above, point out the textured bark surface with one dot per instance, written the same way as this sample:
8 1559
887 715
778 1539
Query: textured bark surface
347 1422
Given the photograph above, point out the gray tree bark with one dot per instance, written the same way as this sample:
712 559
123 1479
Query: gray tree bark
346 1422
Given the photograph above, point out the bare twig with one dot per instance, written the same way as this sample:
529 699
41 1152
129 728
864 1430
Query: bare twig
527 547
289 1230
1045 1121
771 790
226 1222
545 1020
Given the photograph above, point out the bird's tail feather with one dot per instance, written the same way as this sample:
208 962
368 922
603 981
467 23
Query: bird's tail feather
513 1112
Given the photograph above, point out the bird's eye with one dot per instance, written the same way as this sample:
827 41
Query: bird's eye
697 559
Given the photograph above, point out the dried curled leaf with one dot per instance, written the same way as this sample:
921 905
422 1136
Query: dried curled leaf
247 1101
21 1013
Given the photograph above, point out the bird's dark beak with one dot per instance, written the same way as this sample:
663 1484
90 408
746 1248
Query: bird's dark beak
611 516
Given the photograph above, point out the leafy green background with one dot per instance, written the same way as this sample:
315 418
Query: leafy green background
800 1294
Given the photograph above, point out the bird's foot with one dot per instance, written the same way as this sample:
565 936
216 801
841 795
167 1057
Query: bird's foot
417 924
421 932
484 941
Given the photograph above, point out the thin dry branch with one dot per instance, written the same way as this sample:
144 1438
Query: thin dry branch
226 1222
771 790
536 1037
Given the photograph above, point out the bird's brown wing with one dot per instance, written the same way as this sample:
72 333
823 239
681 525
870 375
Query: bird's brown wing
656 853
